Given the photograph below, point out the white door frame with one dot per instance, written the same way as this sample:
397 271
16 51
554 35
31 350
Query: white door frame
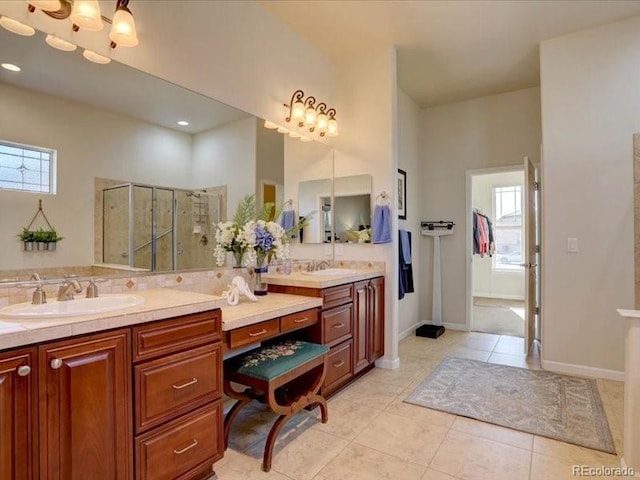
469 224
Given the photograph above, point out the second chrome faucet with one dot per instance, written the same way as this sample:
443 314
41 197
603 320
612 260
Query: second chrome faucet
67 289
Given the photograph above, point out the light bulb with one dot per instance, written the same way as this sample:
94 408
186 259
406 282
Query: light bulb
15 26
47 5
123 28
310 116
297 111
60 44
86 14
322 121
95 57
270 125
332 127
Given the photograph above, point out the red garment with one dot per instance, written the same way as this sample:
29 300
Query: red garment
483 226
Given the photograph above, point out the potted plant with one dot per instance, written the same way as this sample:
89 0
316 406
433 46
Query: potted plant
41 238
52 239
26 237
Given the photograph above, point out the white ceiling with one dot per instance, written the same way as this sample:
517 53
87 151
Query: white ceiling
448 51
114 87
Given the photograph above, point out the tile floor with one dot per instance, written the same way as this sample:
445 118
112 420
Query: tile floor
372 434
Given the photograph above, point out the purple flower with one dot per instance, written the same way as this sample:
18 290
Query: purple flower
264 240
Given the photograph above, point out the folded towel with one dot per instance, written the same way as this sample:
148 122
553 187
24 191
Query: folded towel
288 219
405 242
381 224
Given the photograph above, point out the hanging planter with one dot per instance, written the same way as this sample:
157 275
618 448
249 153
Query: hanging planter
41 239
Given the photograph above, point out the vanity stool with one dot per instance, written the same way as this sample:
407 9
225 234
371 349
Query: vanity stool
286 376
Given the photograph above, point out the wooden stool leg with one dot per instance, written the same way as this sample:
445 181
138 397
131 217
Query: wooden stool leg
231 415
322 403
271 440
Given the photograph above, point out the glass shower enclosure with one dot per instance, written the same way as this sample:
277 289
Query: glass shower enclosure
157 228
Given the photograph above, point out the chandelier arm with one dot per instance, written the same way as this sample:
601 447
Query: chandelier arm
297 95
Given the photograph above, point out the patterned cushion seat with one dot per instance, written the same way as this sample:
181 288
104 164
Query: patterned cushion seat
270 362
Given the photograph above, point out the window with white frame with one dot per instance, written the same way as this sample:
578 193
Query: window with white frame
27 168
508 227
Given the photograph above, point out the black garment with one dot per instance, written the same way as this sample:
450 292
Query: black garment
405 270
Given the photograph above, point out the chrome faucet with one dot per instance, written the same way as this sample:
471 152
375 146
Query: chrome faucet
315 265
92 289
39 296
66 290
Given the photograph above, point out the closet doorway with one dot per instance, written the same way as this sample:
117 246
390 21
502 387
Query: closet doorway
500 271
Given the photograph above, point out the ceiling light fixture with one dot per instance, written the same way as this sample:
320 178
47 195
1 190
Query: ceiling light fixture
16 27
60 44
11 67
305 113
86 14
270 125
95 57
183 123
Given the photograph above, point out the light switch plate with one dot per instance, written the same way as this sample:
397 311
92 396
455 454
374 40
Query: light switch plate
339 249
327 249
572 245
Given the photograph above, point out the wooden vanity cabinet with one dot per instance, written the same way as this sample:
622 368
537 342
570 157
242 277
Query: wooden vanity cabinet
19 414
351 324
178 397
85 408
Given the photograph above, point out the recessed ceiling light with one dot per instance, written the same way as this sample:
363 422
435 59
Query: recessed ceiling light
15 26
183 123
95 57
60 44
11 67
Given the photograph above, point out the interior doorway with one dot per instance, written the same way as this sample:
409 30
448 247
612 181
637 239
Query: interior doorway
496 280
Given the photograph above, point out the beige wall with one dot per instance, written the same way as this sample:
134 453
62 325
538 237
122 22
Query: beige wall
591 108
409 160
481 133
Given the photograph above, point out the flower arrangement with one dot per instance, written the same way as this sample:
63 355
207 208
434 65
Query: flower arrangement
252 236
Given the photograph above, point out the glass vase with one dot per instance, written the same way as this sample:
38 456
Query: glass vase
237 259
260 285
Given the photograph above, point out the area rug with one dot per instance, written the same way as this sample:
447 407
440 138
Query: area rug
499 320
534 401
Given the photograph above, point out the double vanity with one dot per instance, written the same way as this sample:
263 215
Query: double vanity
136 392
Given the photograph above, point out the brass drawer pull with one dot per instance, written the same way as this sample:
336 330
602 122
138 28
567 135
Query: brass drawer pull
338 325
257 334
338 364
189 447
300 320
190 382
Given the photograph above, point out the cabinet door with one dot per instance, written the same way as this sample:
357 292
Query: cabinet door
18 415
85 408
362 312
376 325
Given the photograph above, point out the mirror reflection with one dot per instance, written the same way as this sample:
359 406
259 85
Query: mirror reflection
142 168
352 208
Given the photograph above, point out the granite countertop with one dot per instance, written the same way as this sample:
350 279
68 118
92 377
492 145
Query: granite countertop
158 304
267 307
302 279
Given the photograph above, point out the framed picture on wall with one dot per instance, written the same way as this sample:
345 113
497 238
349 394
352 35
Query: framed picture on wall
402 194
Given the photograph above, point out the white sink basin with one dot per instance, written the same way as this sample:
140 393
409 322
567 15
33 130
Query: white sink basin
331 271
71 308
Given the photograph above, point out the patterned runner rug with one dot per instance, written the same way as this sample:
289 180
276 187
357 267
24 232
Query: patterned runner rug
535 401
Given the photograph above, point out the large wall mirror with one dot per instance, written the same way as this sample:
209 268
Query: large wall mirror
133 186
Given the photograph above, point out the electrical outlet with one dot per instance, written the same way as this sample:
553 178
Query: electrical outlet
339 249
572 245
327 249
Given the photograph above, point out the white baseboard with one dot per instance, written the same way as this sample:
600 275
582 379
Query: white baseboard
498 296
409 331
387 363
583 370
456 326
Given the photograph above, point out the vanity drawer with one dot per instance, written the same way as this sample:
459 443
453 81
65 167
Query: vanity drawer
334 296
181 447
254 333
337 324
299 320
180 333
170 386
339 367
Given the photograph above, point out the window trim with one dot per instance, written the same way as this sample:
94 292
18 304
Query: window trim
53 167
